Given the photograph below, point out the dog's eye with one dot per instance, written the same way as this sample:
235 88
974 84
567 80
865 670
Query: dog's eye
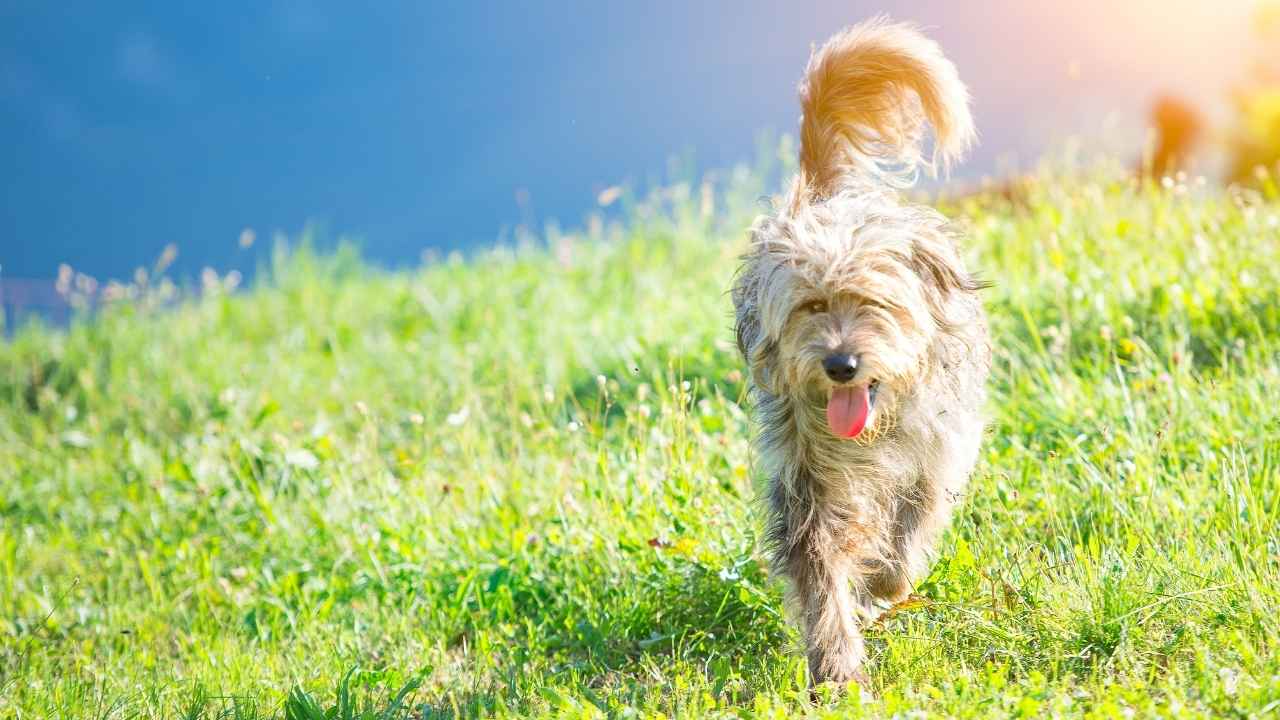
817 306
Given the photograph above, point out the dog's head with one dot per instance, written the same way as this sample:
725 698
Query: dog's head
843 290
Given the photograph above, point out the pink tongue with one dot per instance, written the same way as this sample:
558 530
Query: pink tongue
847 410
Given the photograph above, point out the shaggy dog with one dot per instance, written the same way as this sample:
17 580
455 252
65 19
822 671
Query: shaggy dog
865 338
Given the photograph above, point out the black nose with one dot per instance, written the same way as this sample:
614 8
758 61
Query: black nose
840 367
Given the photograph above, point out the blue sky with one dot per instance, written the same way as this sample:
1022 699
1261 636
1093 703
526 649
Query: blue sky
132 125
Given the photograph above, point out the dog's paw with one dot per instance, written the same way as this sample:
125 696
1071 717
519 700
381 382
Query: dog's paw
889 586
839 664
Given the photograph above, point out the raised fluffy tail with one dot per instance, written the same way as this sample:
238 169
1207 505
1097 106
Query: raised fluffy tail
866 96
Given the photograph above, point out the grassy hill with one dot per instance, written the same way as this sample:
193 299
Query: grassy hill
520 484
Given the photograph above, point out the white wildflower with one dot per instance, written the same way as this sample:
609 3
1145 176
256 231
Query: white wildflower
302 458
458 418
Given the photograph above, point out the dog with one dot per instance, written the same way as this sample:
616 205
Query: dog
865 339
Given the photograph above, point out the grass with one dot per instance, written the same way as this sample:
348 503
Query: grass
520 484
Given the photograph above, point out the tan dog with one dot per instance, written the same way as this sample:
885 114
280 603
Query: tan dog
865 337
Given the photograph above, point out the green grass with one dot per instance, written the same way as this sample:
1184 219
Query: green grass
520 484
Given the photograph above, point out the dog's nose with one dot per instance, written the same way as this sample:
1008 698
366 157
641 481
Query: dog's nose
840 367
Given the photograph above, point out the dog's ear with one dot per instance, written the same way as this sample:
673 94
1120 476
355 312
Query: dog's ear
759 346
746 325
936 262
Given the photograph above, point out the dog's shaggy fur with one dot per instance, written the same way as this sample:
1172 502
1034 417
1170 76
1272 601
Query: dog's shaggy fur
844 267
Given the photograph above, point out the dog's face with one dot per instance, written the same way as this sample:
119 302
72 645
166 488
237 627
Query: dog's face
837 308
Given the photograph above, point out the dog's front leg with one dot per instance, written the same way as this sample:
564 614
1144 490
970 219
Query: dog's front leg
917 518
820 574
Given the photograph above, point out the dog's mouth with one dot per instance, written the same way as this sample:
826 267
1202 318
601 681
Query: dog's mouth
850 408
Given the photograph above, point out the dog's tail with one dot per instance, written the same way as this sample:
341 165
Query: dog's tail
866 96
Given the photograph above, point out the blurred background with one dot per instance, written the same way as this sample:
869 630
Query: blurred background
432 127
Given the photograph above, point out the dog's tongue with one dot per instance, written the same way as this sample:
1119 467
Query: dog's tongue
847 410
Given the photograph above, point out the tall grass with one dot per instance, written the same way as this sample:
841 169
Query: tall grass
520 484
